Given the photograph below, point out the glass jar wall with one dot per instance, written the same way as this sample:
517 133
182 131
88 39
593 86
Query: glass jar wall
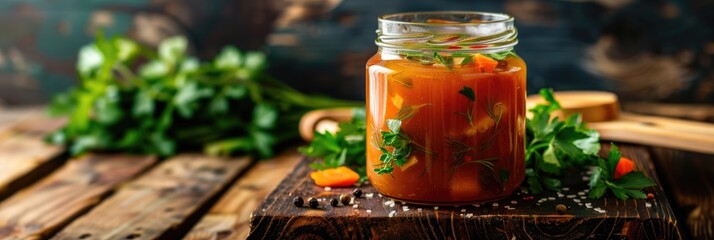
446 108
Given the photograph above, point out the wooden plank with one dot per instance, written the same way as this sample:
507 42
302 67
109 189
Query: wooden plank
24 159
537 218
24 156
690 180
697 112
230 217
33 121
38 211
160 204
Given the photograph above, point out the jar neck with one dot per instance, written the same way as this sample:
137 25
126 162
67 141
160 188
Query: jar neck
462 32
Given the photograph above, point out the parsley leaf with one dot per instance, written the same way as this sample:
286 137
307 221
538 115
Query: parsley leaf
346 147
555 145
469 93
398 141
132 98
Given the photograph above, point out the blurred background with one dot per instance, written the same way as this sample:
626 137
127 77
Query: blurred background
660 51
652 51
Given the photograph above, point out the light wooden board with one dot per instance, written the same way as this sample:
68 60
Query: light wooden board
230 217
23 160
161 203
38 211
32 121
24 156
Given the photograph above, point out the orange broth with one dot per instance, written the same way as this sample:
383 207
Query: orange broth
473 157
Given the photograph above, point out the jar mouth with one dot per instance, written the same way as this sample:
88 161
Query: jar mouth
442 18
446 31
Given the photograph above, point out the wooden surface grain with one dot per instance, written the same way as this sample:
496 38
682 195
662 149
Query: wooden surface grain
690 181
161 203
230 217
38 211
515 217
25 155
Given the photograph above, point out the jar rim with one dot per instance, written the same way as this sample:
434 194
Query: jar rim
388 18
447 31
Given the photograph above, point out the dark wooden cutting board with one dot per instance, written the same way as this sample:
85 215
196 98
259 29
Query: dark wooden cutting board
521 216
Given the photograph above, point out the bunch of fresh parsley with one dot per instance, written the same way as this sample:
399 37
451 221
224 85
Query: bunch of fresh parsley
346 147
132 98
554 147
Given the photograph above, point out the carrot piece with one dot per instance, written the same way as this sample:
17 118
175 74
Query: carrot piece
335 177
486 64
441 21
624 167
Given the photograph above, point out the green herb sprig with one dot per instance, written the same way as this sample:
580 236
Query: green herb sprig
400 143
629 185
555 146
132 98
346 147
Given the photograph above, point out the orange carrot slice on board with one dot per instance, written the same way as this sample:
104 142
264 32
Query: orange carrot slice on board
335 177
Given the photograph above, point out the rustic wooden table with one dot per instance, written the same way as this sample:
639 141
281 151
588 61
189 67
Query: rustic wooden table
46 194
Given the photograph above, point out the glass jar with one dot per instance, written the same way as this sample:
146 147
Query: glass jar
446 108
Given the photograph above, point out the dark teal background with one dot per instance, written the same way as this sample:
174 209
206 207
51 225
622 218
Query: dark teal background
643 50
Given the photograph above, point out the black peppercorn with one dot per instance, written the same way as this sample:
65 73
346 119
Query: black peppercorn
357 192
313 203
561 208
298 201
334 202
345 199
